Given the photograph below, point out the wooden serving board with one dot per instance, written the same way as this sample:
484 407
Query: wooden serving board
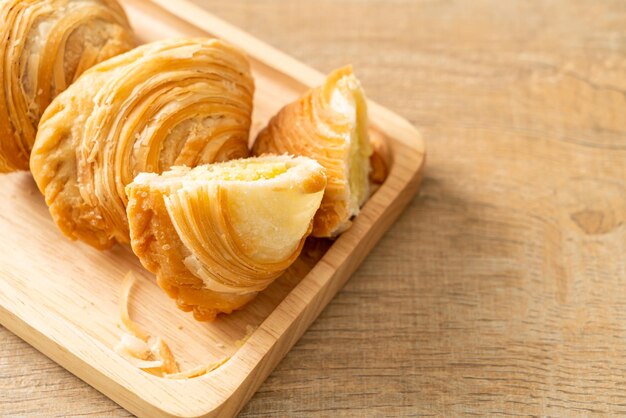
62 296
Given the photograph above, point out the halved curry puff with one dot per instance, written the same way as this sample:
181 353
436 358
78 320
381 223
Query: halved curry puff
217 234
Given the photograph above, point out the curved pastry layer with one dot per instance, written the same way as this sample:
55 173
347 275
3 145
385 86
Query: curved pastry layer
44 46
174 102
329 124
218 234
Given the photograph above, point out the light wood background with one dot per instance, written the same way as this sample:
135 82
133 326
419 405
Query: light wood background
501 289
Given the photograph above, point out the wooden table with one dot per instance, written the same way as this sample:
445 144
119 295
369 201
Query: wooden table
501 289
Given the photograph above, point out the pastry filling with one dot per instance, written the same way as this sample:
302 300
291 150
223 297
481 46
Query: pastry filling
348 99
236 170
247 171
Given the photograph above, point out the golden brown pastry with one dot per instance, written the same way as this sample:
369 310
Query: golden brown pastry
218 234
44 46
174 102
329 124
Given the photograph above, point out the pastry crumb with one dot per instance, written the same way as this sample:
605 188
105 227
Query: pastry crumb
148 353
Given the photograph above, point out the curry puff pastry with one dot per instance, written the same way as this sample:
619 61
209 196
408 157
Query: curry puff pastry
175 102
44 46
217 234
329 124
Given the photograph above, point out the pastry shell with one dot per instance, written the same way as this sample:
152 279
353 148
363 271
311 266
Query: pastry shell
328 124
218 234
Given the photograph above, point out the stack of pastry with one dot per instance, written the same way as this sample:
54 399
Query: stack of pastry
174 102
150 147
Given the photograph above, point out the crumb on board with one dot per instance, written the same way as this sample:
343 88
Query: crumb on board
149 353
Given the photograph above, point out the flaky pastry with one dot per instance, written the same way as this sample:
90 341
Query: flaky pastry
44 46
218 234
174 102
328 124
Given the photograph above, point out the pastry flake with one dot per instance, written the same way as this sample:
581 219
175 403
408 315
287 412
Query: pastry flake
173 102
218 234
328 124
44 46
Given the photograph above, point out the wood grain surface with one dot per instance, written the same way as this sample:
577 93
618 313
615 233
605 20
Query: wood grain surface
500 289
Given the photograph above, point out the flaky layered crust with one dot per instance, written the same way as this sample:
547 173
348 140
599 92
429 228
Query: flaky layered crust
174 102
214 244
314 126
44 46
156 243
